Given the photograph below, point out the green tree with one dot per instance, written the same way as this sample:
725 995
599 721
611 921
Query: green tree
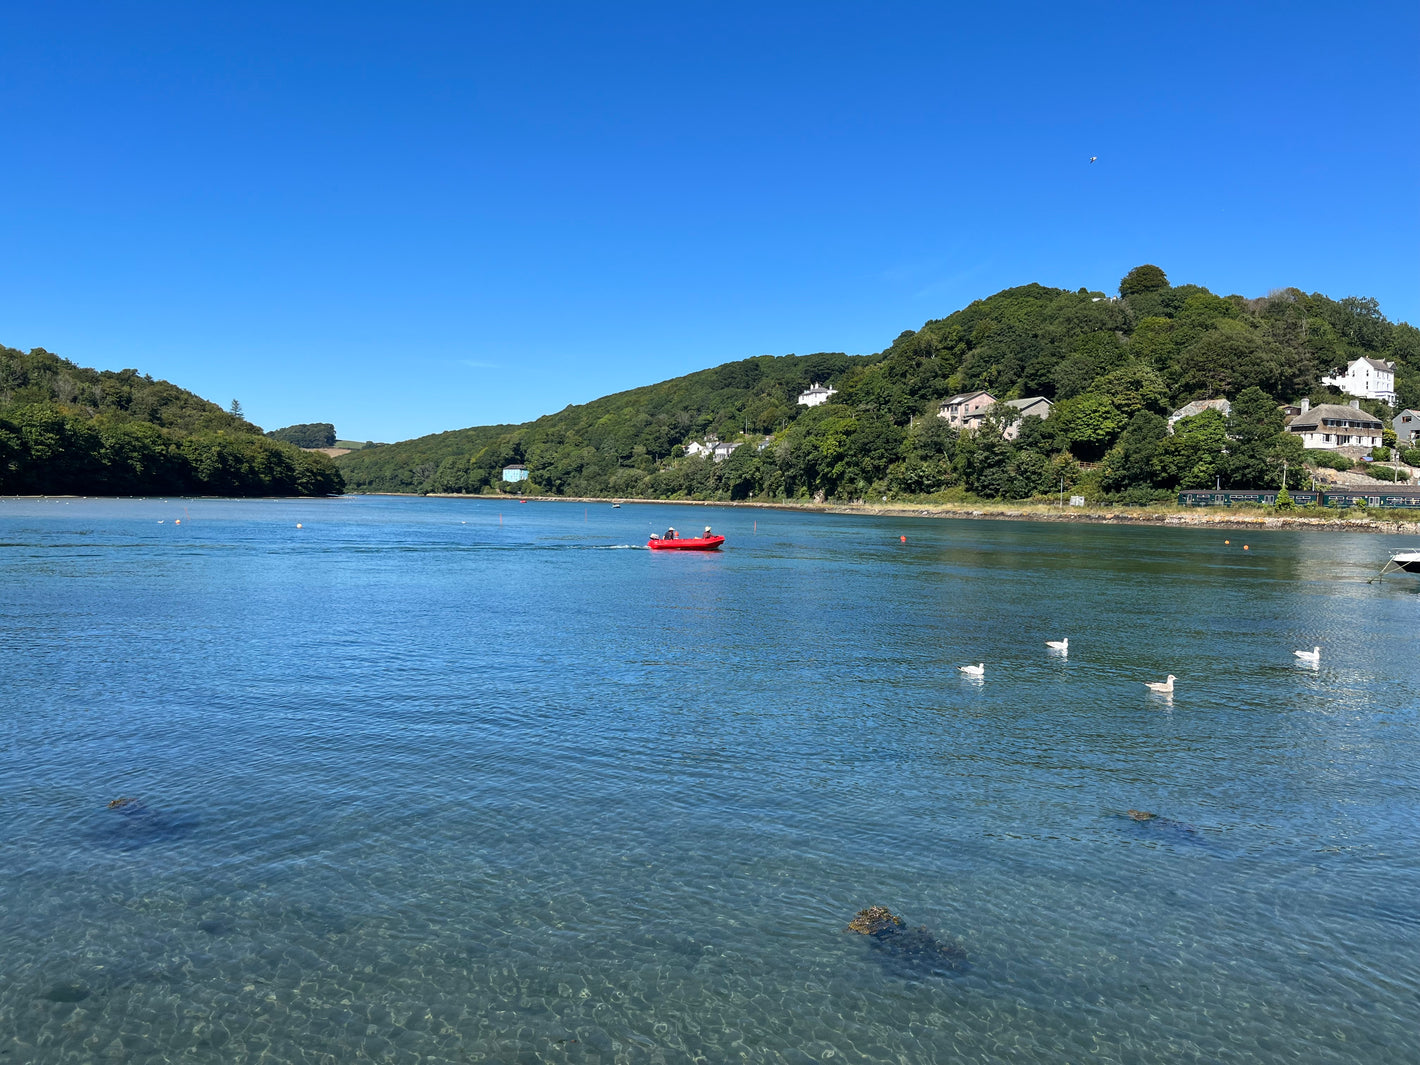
1090 424
1192 456
1146 278
1131 462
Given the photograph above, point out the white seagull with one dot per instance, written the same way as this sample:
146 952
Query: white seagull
974 671
1059 645
1162 686
1312 657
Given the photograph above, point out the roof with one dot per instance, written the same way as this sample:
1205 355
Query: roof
1313 418
1379 364
1198 406
1023 404
963 398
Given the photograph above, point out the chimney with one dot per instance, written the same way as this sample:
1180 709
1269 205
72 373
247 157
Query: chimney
1306 405
1356 403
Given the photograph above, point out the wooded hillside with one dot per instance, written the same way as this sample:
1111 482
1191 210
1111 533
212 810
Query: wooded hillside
1113 366
68 429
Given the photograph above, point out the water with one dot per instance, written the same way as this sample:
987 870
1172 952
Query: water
473 780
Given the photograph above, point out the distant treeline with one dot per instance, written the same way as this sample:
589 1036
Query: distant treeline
312 434
1113 366
65 429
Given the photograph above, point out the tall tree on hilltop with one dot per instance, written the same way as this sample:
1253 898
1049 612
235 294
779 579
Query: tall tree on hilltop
1146 278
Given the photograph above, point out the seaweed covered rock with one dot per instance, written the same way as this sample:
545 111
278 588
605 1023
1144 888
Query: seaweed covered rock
1165 828
873 920
906 951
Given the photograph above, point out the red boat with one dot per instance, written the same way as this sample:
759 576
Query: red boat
688 543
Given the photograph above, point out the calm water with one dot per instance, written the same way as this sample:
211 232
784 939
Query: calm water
451 780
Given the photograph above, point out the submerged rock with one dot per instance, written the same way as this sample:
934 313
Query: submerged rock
66 991
132 823
907 951
1165 827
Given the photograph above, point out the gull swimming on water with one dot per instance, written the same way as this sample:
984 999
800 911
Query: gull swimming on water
1162 686
974 671
1059 645
1312 657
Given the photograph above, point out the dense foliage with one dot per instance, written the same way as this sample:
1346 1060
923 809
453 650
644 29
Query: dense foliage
68 429
1114 367
311 434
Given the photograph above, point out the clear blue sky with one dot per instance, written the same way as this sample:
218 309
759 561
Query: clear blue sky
406 218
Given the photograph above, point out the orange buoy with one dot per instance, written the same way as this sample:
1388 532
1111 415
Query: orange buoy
177 521
1244 547
1227 541
903 539
298 524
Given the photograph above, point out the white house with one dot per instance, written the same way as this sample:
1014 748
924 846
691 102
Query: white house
966 410
816 395
1198 406
723 451
1330 426
515 473
695 447
1407 428
1033 407
1367 378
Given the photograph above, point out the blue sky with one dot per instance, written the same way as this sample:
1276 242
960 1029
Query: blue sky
407 218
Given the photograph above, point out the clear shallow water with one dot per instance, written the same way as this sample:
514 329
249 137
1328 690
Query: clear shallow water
419 786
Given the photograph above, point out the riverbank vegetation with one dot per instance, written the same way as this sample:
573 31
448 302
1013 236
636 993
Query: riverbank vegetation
66 429
1114 367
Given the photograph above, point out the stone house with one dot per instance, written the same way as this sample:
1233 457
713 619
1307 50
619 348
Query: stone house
1032 407
966 411
1331 426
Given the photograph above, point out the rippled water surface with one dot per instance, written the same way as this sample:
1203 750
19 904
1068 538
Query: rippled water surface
473 780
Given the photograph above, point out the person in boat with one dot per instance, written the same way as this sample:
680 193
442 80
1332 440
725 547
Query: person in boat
706 534
670 534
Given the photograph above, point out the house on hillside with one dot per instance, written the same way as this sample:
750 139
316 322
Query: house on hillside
1033 407
515 473
1331 426
695 447
722 451
1198 406
1367 378
966 411
1407 428
816 395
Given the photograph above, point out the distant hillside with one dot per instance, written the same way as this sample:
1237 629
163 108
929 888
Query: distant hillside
608 446
69 429
1113 366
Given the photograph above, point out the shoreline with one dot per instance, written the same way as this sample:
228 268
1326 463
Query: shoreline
1213 518
1176 517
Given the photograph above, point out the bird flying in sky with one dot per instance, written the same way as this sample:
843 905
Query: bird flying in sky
1093 158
